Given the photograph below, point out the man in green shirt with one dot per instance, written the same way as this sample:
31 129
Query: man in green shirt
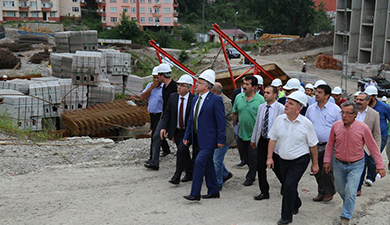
245 110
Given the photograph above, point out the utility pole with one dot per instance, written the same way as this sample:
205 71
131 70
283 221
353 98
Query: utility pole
203 26
235 31
36 6
345 49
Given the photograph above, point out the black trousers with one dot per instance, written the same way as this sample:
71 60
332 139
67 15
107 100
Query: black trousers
183 158
249 157
154 119
292 172
324 180
262 152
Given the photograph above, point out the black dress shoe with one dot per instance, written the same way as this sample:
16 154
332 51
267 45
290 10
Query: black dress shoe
281 221
148 161
230 175
192 198
210 196
186 179
241 164
261 197
174 181
165 154
248 182
151 166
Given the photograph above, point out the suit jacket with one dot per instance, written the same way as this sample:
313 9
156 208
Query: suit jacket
211 123
235 93
372 121
278 110
169 120
229 120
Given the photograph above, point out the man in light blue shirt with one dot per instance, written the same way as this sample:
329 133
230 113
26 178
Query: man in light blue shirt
323 114
153 93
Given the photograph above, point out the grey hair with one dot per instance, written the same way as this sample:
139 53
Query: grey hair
367 96
348 103
210 85
217 89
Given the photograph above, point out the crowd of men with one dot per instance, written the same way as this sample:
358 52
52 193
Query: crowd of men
277 127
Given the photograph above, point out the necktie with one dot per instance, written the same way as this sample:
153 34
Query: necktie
181 121
264 130
196 115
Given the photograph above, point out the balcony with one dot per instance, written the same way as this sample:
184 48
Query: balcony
24 9
46 9
156 14
157 6
101 2
175 4
175 14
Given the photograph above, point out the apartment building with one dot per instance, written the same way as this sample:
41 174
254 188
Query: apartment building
38 10
148 13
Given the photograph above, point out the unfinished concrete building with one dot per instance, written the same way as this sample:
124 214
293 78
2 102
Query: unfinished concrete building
367 33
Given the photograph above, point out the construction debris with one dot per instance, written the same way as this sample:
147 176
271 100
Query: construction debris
40 56
8 60
103 117
328 62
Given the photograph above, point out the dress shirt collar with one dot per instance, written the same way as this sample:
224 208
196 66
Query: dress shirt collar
185 96
298 119
204 95
272 105
325 106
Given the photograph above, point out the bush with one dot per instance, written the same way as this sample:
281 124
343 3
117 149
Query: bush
188 35
183 56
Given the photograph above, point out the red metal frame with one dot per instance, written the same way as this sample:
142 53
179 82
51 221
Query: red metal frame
256 66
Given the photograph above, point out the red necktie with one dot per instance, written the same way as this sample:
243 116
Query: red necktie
181 121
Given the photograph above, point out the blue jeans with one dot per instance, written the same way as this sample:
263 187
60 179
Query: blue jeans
346 179
371 174
220 169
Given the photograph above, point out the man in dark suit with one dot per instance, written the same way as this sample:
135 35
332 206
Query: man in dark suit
173 125
206 131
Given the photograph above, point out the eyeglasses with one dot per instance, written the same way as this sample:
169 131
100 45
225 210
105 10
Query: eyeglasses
360 99
204 83
347 113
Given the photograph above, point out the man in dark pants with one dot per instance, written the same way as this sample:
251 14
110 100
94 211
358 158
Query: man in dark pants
206 130
153 92
174 123
266 114
170 86
296 139
236 127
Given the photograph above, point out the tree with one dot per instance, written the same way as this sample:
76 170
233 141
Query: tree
126 29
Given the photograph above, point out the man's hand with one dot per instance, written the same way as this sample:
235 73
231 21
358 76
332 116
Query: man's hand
154 84
327 167
185 142
163 133
270 163
220 145
315 169
382 172
253 145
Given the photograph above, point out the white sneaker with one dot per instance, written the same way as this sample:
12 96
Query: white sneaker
368 182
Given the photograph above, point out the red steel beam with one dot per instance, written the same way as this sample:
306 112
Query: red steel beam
228 63
224 36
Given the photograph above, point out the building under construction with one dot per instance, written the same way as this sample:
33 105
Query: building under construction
366 26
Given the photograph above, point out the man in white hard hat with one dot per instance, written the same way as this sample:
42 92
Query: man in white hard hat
206 131
384 115
245 110
316 84
337 94
309 89
323 115
278 84
173 124
259 85
153 93
296 139
291 86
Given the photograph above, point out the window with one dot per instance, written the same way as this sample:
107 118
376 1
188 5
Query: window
133 18
167 1
157 20
142 10
46 5
52 14
132 1
157 1
133 10
149 1
11 14
142 1
142 19
156 10
113 19
34 14
75 0
125 9
167 10
75 9
103 19
112 9
150 19
150 10
125 1
23 14
23 4
33 5
9 4
113 1
167 19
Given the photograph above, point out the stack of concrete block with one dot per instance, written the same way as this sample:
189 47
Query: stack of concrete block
134 84
61 64
21 85
73 96
90 40
49 93
103 92
85 70
118 63
72 41
102 56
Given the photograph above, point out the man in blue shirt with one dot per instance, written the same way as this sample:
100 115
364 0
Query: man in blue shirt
153 92
384 116
323 115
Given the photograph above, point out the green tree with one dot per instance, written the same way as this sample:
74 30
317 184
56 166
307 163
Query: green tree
126 29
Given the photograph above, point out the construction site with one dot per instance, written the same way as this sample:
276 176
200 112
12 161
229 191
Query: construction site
68 83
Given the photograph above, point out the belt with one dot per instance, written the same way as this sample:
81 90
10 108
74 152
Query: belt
346 163
322 143
155 113
178 129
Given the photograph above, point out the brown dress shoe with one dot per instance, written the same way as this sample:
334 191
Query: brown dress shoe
319 198
327 198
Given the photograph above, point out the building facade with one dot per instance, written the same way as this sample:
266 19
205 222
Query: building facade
38 10
330 5
148 13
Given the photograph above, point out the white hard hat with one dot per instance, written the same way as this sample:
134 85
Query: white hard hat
357 93
318 83
186 79
371 90
155 71
384 98
293 83
309 86
337 91
259 80
301 89
208 75
5 77
299 96
164 68
276 82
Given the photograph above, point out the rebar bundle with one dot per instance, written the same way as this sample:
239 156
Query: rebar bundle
103 117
